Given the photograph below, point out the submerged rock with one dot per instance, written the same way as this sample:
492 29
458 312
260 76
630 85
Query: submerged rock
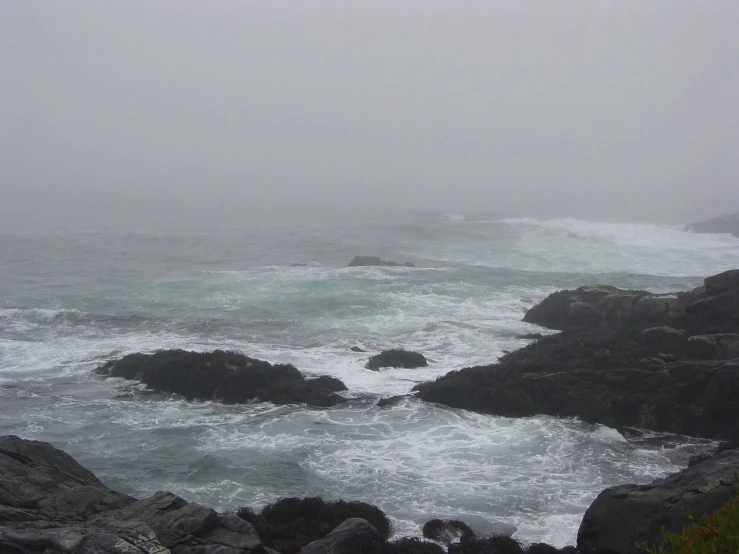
622 515
227 377
397 358
359 261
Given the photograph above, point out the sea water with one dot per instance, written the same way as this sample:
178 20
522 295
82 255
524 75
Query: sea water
74 298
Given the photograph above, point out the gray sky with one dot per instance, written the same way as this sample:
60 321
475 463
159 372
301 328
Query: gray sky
618 110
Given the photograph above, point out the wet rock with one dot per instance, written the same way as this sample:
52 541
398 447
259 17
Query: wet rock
530 336
227 377
291 523
397 358
447 531
619 516
353 536
359 261
356 349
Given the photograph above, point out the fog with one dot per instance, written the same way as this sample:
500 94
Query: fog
184 112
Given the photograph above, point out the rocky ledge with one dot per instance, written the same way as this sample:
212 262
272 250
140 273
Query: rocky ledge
611 365
227 377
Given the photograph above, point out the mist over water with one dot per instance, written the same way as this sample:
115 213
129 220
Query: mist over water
72 300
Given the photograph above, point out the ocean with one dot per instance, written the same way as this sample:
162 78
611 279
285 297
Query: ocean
71 299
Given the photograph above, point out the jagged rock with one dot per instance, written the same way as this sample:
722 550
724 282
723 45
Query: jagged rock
396 358
49 503
359 261
227 377
447 531
353 536
619 516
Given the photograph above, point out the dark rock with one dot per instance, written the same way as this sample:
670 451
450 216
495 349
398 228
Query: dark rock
227 377
397 358
353 536
291 523
488 545
49 503
447 531
723 282
724 224
356 349
359 261
39 482
413 545
619 516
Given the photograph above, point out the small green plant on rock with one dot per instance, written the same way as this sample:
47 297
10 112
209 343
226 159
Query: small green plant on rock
717 533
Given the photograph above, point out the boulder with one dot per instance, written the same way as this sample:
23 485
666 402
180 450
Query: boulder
622 515
353 536
396 358
291 523
356 349
360 261
719 346
228 377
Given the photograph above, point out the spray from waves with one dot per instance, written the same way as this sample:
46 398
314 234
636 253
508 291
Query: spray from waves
576 246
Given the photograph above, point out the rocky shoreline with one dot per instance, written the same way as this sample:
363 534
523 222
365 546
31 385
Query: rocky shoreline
623 358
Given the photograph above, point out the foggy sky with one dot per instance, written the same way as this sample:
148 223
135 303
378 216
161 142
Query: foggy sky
184 110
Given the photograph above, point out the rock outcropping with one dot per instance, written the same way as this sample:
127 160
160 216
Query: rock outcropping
611 367
227 377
